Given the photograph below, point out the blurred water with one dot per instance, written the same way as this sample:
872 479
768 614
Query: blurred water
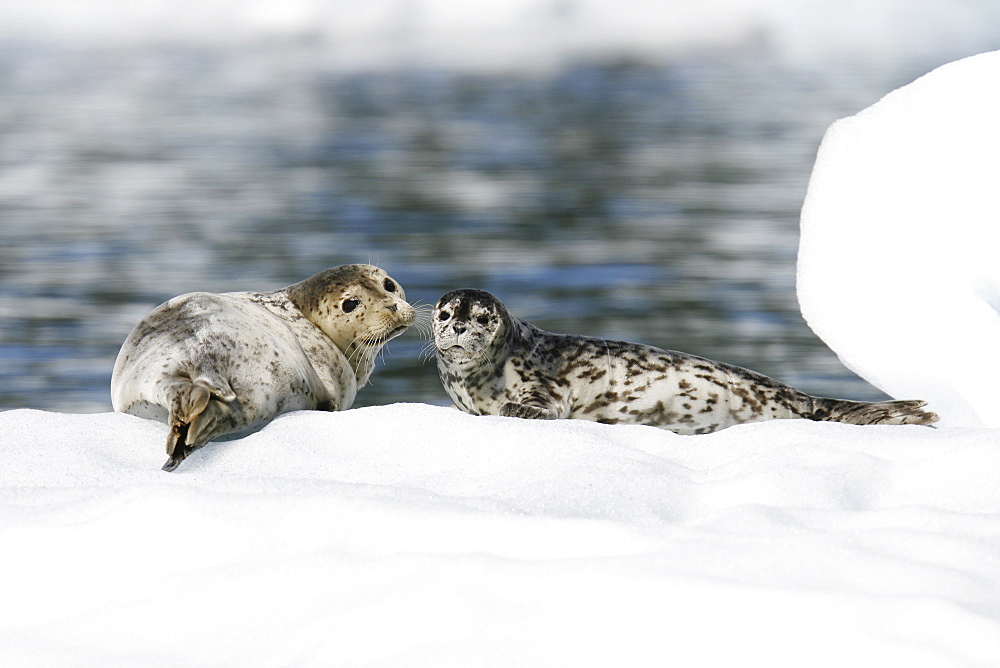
649 202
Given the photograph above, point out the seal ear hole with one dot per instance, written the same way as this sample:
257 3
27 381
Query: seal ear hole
350 304
483 320
443 315
389 285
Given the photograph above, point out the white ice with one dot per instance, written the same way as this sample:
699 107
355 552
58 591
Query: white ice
899 263
417 535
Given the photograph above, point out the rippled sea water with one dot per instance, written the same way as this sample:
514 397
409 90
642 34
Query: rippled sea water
648 202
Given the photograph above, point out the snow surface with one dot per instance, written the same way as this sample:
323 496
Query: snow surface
899 259
417 535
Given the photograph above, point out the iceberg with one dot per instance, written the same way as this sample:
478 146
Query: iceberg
898 267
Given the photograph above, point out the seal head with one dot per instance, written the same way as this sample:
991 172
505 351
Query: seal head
358 307
471 326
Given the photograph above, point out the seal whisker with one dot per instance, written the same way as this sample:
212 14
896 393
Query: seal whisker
422 321
359 353
428 351
424 331
382 353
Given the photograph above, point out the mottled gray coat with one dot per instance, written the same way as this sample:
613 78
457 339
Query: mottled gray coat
490 363
213 365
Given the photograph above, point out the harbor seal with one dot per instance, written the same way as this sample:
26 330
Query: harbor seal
491 363
212 365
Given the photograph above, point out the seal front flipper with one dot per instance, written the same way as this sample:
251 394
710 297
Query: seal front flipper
534 401
511 409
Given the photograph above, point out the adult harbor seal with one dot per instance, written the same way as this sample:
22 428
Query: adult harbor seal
212 365
491 363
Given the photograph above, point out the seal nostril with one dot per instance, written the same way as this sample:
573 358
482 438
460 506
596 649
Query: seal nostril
392 308
459 329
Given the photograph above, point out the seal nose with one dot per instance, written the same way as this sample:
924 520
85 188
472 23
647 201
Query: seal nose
392 308
458 329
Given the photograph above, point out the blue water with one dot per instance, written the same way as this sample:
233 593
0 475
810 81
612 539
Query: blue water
654 202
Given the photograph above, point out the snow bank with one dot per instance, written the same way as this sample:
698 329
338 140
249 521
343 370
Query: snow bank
417 535
525 32
899 263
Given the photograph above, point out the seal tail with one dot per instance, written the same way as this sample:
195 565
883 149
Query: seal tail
196 410
864 412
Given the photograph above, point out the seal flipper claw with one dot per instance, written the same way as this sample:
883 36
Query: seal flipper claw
177 448
173 462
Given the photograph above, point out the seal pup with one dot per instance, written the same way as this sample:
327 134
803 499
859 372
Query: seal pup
491 363
212 365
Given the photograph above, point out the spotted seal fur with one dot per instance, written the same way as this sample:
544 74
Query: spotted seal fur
212 365
491 363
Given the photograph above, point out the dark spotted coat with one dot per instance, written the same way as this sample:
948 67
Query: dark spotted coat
490 363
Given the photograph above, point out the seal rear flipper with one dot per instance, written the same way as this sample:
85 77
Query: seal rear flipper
194 420
214 420
877 412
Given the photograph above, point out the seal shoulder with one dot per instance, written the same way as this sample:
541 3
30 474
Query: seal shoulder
324 356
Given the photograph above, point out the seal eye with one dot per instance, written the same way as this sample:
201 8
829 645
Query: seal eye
350 304
483 320
443 315
389 285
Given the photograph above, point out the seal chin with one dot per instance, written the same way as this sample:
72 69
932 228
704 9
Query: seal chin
457 352
396 332
385 338
449 347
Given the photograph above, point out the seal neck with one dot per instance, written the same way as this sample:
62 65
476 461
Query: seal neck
361 358
302 300
514 332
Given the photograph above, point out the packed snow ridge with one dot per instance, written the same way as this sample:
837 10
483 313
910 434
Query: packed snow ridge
418 535
898 263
